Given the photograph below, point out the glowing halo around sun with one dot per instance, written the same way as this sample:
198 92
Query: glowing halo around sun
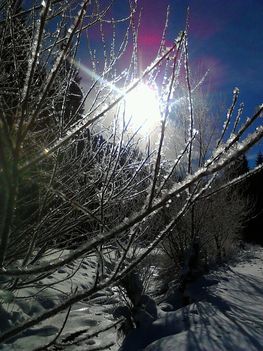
142 108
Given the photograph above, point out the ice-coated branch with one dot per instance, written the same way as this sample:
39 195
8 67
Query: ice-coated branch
177 189
87 121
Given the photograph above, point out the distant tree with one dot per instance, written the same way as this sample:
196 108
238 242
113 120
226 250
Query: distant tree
259 159
237 168
253 228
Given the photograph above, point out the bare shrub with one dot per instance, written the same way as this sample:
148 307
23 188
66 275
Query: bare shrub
106 195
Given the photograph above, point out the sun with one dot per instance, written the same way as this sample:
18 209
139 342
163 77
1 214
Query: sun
142 108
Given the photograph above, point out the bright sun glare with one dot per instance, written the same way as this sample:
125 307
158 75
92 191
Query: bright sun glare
142 107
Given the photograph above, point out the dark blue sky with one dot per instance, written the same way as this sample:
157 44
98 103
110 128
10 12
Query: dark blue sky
225 36
230 35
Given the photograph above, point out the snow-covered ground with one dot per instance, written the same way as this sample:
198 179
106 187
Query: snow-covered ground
86 318
227 313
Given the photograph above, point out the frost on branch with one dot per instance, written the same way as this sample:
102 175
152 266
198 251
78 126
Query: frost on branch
81 188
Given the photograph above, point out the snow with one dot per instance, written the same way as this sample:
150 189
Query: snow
227 314
86 317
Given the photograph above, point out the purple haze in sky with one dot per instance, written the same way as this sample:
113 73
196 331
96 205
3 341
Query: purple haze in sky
225 36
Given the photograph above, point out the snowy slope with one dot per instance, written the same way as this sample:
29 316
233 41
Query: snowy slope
86 318
228 315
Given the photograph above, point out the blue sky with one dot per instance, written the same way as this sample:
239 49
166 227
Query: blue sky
225 36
